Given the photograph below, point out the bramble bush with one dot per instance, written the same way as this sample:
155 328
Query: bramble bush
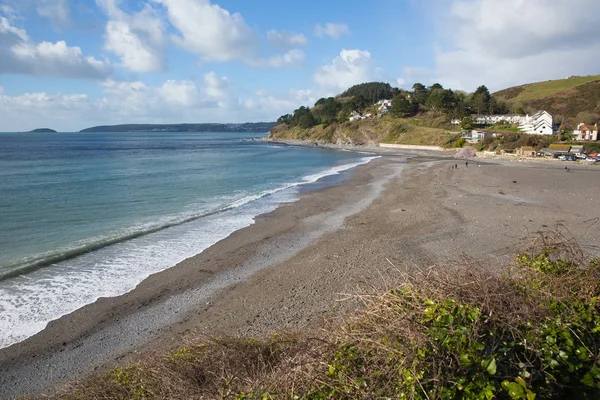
452 333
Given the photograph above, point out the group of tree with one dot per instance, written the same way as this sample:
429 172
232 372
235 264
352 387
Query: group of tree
422 99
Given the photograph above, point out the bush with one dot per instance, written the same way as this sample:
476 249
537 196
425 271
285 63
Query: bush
460 142
443 333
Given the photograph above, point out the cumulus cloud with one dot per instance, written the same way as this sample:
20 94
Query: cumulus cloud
332 30
20 55
136 38
55 10
210 30
213 99
215 34
501 44
349 68
286 40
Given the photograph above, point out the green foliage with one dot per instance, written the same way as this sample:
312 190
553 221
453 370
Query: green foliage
402 107
371 92
532 333
480 101
467 124
460 143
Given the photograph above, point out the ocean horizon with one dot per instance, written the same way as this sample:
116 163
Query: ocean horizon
90 215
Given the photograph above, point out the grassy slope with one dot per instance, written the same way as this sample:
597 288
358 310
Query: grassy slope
370 131
574 99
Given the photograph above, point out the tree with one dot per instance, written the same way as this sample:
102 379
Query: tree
284 119
420 93
467 124
346 111
307 121
328 110
520 111
436 86
401 107
320 101
481 99
372 92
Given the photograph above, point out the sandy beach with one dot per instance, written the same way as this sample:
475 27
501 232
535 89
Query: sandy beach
291 269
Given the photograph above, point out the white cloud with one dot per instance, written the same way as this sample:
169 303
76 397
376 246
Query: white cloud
215 34
286 40
213 99
136 38
55 10
330 29
291 58
210 30
351 67
501 44
20 55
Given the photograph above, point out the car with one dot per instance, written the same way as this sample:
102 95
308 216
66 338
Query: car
590 159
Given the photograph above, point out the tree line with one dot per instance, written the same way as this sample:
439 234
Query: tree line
422 99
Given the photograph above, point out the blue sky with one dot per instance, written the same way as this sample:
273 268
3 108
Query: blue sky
70 64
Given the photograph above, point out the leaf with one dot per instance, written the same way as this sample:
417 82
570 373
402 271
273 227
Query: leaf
489 365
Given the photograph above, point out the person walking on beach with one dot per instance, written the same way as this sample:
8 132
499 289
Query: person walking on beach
455 166
467 164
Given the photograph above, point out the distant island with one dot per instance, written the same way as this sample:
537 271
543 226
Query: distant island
250 127
42 130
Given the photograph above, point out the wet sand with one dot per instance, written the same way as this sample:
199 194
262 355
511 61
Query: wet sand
291 268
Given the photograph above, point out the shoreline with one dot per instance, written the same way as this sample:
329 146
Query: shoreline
306 253
59 337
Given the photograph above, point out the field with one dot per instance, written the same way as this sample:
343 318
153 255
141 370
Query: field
540 90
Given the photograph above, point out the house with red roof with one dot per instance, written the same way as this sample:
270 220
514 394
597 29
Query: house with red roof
586 132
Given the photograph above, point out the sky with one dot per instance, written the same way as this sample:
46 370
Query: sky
72 64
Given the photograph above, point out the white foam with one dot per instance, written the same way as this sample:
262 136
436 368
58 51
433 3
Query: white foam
28 303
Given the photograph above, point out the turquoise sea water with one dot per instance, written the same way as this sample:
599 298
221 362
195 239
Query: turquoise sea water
84 216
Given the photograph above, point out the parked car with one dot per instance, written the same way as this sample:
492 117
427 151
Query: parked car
590 159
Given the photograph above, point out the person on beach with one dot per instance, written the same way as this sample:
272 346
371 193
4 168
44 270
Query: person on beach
455 166
467 164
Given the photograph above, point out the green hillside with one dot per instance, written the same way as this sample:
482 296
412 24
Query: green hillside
574 100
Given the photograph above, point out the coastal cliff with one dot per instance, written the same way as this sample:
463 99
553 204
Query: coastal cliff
371 132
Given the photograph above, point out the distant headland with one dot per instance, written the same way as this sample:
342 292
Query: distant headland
42 130
250 127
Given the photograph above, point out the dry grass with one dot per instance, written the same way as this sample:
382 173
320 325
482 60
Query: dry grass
539 90
447 331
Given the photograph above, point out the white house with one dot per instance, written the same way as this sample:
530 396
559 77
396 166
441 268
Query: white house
384 106
490 119
486 119
539 123
477 136
586 132
355 116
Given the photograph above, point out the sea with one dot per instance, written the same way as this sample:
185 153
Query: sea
90 215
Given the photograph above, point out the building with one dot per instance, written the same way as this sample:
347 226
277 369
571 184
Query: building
355 116
528 151
477 136
491 119
384 106
539 123
586 132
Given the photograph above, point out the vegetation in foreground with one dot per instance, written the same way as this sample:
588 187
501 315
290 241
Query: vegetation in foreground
442 333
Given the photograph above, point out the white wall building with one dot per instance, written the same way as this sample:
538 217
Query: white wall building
384 106
539 123
586 132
